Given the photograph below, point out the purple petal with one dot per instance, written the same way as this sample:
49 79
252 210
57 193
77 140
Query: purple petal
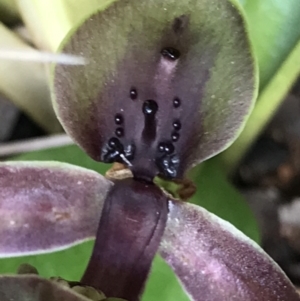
170 81
48 206
214 261
33 288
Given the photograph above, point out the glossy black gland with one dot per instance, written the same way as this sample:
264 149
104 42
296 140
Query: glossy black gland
169 148
166 161
150 107
119 119
119 132
177 125
161 147
114 151
115 143
133 94
166 147
170 53
129 151
176 102
168 166
175 136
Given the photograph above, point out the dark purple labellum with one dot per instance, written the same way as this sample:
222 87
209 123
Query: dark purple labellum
130 230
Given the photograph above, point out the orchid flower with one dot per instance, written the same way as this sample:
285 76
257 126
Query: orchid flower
166 85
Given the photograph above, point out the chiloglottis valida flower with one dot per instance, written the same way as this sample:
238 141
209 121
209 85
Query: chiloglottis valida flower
167 85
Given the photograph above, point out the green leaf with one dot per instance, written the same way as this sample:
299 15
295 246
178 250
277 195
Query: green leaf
34 288
274 30
268 102
70 264
163 284
275 34
8 12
